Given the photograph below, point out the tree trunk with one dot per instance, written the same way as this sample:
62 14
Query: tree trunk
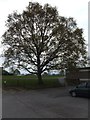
40 81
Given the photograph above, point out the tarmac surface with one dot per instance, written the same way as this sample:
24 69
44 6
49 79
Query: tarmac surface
43 103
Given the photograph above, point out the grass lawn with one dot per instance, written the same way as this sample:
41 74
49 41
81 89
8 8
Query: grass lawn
30 81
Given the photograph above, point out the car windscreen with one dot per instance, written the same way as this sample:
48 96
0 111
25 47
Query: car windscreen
88 84
82 85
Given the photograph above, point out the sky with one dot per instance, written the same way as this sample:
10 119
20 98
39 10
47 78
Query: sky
78 9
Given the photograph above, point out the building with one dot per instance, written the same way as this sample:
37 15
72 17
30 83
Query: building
78 75
84 74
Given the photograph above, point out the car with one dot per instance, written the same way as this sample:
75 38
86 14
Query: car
82 90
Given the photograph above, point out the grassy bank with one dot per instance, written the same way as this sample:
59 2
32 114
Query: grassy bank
30 81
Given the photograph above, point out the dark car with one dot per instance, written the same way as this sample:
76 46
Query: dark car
82 90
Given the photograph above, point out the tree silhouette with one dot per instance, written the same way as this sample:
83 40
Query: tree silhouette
39 39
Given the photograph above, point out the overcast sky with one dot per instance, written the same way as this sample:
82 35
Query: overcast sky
78 9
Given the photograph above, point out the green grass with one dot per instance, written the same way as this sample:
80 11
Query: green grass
30 81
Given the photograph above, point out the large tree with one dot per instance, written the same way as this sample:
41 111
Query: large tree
39 39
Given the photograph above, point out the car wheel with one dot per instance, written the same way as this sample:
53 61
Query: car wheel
73 94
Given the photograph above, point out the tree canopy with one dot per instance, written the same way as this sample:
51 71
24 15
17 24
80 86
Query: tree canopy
39 39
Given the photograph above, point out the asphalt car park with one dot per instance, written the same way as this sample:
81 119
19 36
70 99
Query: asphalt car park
43 103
